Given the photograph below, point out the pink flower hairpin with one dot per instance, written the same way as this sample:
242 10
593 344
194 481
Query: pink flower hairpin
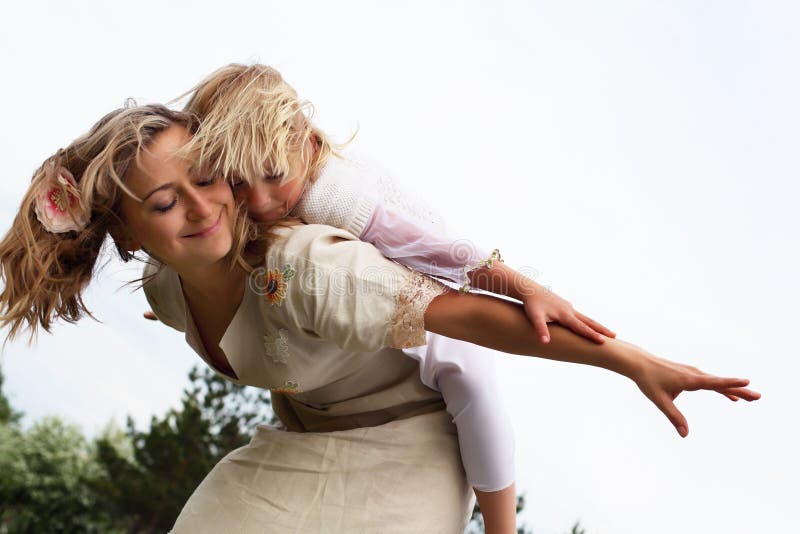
58 203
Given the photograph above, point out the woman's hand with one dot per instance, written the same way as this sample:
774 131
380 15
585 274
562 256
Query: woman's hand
502 325
543 306
662 381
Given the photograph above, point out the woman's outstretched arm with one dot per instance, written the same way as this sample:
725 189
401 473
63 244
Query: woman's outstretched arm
502 325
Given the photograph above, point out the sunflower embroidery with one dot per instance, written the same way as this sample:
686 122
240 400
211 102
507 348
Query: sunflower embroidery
289 388
274 283
276 344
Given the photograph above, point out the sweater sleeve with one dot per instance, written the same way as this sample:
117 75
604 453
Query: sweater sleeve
343 196
421 247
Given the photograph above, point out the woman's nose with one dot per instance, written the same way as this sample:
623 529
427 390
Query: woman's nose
198 206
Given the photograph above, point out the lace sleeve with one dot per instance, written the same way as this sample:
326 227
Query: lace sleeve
408 325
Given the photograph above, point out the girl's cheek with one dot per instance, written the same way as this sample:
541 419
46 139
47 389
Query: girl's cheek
240 197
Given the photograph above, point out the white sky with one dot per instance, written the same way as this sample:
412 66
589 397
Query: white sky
639 155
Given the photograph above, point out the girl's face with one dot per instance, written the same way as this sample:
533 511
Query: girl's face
266 199
185 220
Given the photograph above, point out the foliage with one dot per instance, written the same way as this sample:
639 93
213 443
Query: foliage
7 415
44 485
173 456
52 480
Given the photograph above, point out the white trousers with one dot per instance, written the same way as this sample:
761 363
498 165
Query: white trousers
464 373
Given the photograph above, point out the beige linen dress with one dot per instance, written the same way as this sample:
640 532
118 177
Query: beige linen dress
367 447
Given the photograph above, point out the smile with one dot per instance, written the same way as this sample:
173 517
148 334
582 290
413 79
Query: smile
210 230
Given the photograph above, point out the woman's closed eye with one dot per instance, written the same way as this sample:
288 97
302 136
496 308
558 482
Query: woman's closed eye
164 209
206 182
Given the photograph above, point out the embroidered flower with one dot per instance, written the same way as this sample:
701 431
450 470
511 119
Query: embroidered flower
58 204
289 388
276 344
274 283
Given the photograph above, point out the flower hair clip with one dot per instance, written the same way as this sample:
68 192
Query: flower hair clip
58 203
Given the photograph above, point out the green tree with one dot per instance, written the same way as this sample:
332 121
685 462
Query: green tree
43 481
172 457
7 415
52 480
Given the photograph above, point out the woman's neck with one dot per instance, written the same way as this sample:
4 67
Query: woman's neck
217 283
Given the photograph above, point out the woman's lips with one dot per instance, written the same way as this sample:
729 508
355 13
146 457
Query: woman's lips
208 231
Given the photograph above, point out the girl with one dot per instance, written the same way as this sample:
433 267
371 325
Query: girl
253 131
385 445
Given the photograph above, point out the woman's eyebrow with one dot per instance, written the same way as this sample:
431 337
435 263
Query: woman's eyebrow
167 185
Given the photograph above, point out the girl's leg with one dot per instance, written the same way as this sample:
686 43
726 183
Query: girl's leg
466 378
496 507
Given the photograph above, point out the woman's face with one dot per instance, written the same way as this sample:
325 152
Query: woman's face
266 199
185 220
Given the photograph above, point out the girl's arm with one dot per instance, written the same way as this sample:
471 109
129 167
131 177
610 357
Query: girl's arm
352 194
404 240
503 326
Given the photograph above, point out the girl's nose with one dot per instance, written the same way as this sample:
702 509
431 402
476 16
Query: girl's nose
258 199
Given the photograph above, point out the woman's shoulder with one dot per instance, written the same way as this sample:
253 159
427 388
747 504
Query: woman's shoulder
322 247
300 237
162 288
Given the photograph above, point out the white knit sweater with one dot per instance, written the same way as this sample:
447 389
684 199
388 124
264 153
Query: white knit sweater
348 190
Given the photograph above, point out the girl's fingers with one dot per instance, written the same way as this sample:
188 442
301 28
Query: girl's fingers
540 325
542 330
731 397
580 328
595 325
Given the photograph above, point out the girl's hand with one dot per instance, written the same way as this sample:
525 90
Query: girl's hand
662 381
543 306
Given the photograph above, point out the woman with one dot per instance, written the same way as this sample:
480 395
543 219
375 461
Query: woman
330 313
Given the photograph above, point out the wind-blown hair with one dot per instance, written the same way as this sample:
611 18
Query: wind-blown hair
44 273
250 122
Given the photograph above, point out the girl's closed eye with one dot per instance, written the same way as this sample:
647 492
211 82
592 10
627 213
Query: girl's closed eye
207 181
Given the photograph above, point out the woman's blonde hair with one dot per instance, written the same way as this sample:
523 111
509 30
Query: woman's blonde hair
45 273
249 123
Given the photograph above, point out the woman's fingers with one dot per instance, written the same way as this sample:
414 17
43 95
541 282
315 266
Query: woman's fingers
742 393
674 415
717 383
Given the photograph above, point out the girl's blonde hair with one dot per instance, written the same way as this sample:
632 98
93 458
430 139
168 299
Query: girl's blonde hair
45 273
250 122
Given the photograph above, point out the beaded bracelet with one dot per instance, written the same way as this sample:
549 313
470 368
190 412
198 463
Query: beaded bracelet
488 263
